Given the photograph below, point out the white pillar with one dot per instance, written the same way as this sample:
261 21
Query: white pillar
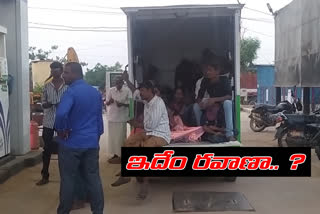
14 16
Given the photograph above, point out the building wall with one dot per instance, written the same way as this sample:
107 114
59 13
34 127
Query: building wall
14 17
265 75
248 80
40 72
267 92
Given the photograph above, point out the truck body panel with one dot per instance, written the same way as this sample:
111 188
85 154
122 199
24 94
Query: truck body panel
160 37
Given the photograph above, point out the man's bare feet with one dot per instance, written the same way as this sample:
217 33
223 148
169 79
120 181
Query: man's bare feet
232 138
42 182
143 192
78 205
115 160
121 181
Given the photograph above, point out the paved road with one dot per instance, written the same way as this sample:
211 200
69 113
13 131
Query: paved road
266 195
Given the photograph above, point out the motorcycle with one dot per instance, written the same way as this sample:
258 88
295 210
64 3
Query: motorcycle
263 115
299 131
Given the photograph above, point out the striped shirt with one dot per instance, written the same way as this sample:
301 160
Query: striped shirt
53 96
156 121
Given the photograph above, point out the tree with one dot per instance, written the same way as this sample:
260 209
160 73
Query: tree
97 75
40 54
248 51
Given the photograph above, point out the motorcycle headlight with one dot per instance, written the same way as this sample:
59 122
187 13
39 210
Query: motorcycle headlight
279 119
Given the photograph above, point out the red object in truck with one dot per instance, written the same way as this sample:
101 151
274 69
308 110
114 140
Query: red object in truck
34 135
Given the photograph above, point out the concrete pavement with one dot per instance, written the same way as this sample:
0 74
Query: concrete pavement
267 195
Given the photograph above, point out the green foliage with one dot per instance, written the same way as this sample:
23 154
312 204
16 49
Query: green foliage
248 52
97 75
38 89
40 54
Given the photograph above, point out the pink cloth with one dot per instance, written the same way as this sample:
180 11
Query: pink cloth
189 133
182 132
135 131
179 124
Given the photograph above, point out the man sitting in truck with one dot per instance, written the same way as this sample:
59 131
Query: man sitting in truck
156 130
219 90
196 107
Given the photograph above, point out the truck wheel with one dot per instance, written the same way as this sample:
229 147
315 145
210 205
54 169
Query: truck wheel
252 103
317 148
230 179
282 141
255 127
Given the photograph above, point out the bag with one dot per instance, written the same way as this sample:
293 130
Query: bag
188 117
211 138
299 105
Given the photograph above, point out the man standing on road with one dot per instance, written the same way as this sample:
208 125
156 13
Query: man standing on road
51 96
79 125
118 115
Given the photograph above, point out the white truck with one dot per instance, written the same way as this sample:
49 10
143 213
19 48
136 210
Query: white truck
162 36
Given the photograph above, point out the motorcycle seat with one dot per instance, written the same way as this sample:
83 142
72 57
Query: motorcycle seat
314 125
265 105
297 119
270 108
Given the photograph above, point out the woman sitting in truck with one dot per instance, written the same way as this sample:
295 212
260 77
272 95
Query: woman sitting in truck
178 114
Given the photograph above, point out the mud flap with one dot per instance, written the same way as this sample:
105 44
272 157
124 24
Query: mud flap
279 133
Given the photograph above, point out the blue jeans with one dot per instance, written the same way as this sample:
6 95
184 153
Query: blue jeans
228 115
80 190
198 113
70 161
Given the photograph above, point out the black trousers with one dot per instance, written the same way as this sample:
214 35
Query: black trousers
71 161
47 136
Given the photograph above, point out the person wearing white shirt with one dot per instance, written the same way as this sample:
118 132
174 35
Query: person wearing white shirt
198 85
196 107
118 115
156 129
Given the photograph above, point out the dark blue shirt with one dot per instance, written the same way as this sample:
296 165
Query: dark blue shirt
80 111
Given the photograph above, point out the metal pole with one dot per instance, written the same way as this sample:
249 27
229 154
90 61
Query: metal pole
278 95
306 100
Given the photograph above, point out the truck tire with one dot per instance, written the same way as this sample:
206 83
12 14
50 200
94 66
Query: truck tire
282 140
254 127
230 179
252 103
317 148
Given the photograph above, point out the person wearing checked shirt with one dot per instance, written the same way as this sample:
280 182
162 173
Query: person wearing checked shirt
51 96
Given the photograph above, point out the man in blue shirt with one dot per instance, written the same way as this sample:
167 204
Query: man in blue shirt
79 125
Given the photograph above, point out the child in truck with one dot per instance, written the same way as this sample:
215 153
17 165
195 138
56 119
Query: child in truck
214 126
